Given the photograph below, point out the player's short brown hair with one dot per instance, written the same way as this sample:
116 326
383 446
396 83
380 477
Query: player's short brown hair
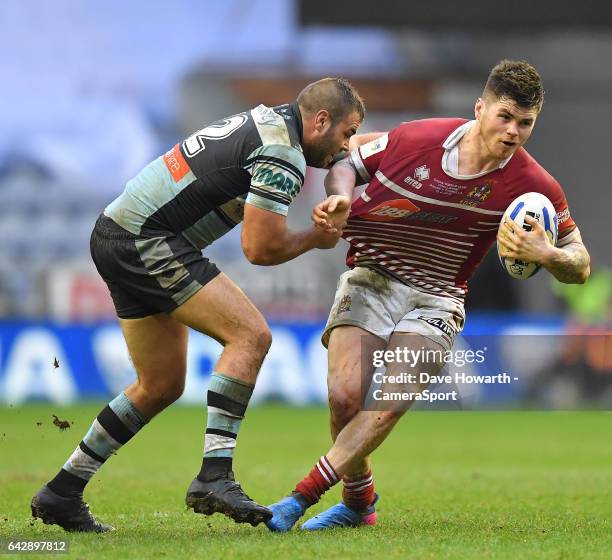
336 95
516 80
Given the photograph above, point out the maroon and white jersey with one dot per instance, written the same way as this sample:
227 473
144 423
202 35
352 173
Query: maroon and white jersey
423 223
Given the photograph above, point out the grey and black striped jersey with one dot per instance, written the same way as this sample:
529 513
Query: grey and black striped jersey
199 187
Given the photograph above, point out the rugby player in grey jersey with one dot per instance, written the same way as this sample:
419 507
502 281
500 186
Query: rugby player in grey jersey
147 247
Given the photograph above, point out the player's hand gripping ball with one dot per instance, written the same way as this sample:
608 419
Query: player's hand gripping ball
528 228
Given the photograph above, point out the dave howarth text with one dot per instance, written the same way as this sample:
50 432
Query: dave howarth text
458 377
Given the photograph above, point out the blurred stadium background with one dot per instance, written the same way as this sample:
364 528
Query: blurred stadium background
92 92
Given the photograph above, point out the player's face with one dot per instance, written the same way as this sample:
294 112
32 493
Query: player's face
332 138
504 126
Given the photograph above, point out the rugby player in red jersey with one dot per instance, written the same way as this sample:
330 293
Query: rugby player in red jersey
436 193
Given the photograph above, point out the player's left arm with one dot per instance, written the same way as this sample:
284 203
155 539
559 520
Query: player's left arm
569 263
361 139
331 214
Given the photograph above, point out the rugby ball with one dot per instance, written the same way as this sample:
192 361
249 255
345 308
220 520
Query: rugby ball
539 207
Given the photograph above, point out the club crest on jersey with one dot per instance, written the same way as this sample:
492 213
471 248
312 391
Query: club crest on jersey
477 195
392 210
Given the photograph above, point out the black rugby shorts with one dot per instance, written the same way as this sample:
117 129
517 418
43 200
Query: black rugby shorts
147 275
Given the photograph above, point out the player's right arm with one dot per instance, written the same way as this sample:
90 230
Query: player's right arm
277 176
569 261
266 240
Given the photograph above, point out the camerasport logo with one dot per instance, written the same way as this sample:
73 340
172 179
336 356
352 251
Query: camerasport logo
392 210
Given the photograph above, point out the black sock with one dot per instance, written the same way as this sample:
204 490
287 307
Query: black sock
215 467
66 484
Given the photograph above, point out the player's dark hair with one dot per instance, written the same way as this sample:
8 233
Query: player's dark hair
336 95
516 80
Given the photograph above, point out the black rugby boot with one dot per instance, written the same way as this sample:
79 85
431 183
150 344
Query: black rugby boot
222 494
72 514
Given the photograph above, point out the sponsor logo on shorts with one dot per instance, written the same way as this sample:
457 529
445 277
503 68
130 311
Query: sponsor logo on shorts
440 325
392 210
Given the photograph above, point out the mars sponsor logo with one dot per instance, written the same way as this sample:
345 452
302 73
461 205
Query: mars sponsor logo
439 324
392 210
477 195
266 176
563 216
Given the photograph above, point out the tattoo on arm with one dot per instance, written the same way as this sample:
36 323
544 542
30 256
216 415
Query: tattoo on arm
571 264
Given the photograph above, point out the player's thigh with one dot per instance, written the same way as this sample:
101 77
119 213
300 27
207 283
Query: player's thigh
221 310
350 366
414 354
158 348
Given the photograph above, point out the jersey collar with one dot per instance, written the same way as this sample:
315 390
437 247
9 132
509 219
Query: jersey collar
450 158
451 149
295 110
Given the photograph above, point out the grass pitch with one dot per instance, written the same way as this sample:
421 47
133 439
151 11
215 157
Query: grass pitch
452 485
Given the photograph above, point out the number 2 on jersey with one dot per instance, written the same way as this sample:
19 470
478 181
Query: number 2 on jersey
216 131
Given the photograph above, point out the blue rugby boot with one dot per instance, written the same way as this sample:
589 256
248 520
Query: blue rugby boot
286 512
342 516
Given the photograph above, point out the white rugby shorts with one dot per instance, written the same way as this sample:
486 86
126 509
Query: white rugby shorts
382 305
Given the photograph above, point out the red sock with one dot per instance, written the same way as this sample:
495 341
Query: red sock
358 492
320 479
